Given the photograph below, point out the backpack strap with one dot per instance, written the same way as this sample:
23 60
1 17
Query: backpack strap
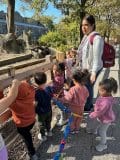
92 38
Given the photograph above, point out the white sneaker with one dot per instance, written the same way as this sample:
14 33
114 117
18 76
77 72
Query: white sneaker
101 147
42 138
34 157
49 134
39 136
59 124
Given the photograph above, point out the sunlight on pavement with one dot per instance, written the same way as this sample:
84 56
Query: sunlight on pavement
54 148
106 157
108 138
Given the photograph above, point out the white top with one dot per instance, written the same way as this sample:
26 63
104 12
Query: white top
68 67
89 55
2 144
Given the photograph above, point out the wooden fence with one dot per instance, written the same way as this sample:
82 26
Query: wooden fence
23 71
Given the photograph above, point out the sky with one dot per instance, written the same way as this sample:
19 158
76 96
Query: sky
51 11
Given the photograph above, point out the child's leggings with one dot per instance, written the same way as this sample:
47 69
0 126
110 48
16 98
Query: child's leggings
102 130
75 125
3 154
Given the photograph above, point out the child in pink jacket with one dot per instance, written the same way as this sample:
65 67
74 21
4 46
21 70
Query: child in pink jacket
76 98
103 109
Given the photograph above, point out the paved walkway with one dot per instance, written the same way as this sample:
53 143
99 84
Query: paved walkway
82 146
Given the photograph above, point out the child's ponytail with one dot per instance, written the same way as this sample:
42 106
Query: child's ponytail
114 85
110 85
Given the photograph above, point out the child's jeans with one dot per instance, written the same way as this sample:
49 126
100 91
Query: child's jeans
3 154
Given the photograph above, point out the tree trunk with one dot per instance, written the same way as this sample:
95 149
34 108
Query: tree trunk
10 16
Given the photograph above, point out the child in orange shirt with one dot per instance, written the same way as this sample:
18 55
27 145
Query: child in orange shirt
23 112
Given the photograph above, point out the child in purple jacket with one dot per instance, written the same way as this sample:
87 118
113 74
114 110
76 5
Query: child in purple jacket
103 110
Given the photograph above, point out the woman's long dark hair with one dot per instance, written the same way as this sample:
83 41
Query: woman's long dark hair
91 20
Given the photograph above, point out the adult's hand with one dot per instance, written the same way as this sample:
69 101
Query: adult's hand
12 94
93 78
16 82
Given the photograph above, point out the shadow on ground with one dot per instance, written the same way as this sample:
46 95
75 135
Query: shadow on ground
82 145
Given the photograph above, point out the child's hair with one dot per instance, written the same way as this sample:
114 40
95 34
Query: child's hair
81 76
110 85
60 68
68 83
40 78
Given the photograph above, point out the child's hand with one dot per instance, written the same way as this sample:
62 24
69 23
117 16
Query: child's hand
55 96
91 115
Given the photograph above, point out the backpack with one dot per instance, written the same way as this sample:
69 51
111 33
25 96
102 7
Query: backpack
108 56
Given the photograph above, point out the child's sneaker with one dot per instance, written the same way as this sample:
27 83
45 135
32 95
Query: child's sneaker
34 157
42 138
101 147
72 132
59 124
49 134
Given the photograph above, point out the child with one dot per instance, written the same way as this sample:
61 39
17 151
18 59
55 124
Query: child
68 65
43 108
103 109
58 78
76 98
23 113
4 104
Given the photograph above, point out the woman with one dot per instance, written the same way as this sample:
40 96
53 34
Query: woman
90 55
4 104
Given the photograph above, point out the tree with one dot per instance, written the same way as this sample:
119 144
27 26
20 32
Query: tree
47 21
76 9
107 14
54 39
10 16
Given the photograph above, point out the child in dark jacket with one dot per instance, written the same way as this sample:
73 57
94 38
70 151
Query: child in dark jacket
43 97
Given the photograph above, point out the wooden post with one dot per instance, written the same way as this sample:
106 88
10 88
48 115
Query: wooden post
49 59
11 71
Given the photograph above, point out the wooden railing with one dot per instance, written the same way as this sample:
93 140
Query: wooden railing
23 71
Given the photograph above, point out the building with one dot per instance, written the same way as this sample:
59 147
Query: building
23 24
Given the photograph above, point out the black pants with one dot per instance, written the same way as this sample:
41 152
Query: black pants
45 122
27 137
89 86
